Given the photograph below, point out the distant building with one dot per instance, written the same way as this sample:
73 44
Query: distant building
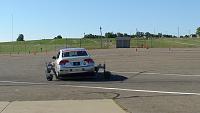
123 42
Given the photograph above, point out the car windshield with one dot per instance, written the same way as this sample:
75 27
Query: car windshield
74 53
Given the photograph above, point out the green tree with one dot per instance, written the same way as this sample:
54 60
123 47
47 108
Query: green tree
20 37
160 35
93 36
110 35
120 35
198 31
89 36
147 34
139 34
126 35
58 37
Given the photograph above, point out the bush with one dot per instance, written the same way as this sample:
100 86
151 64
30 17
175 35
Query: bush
20 37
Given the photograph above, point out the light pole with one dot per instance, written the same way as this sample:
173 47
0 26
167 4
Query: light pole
0 48
178 32
81 40
12 35
101 36
66 42
136 38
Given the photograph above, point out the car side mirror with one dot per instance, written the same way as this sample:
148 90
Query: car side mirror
54 57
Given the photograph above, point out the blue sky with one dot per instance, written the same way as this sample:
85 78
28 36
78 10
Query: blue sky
39 19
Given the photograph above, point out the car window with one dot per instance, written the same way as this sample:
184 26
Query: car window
74 53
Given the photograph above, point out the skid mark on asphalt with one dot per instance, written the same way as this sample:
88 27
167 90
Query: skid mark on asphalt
28 83
133 76
145 73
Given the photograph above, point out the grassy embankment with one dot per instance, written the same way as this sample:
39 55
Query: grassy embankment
53 45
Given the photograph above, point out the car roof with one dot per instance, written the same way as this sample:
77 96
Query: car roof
73 49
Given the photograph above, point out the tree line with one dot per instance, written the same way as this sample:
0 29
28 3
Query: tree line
142 35
136 35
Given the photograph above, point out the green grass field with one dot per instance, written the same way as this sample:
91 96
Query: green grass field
54 45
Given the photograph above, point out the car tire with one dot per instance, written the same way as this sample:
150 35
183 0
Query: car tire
92 74
49 77
107 75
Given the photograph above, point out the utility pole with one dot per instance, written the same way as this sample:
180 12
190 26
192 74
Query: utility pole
66 42
81 40
101 36
12 34
136 38
153 37
80 43
178 32
189 33
25 47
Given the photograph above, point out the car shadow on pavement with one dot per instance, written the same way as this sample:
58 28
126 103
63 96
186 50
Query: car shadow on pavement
100 77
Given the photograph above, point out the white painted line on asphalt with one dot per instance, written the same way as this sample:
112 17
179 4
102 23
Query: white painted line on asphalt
125 72
181 75
30 83
133 90
107 88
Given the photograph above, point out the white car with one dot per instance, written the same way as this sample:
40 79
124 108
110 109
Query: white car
73 60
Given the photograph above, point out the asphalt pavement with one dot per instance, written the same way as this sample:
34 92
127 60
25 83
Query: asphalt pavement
143 81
